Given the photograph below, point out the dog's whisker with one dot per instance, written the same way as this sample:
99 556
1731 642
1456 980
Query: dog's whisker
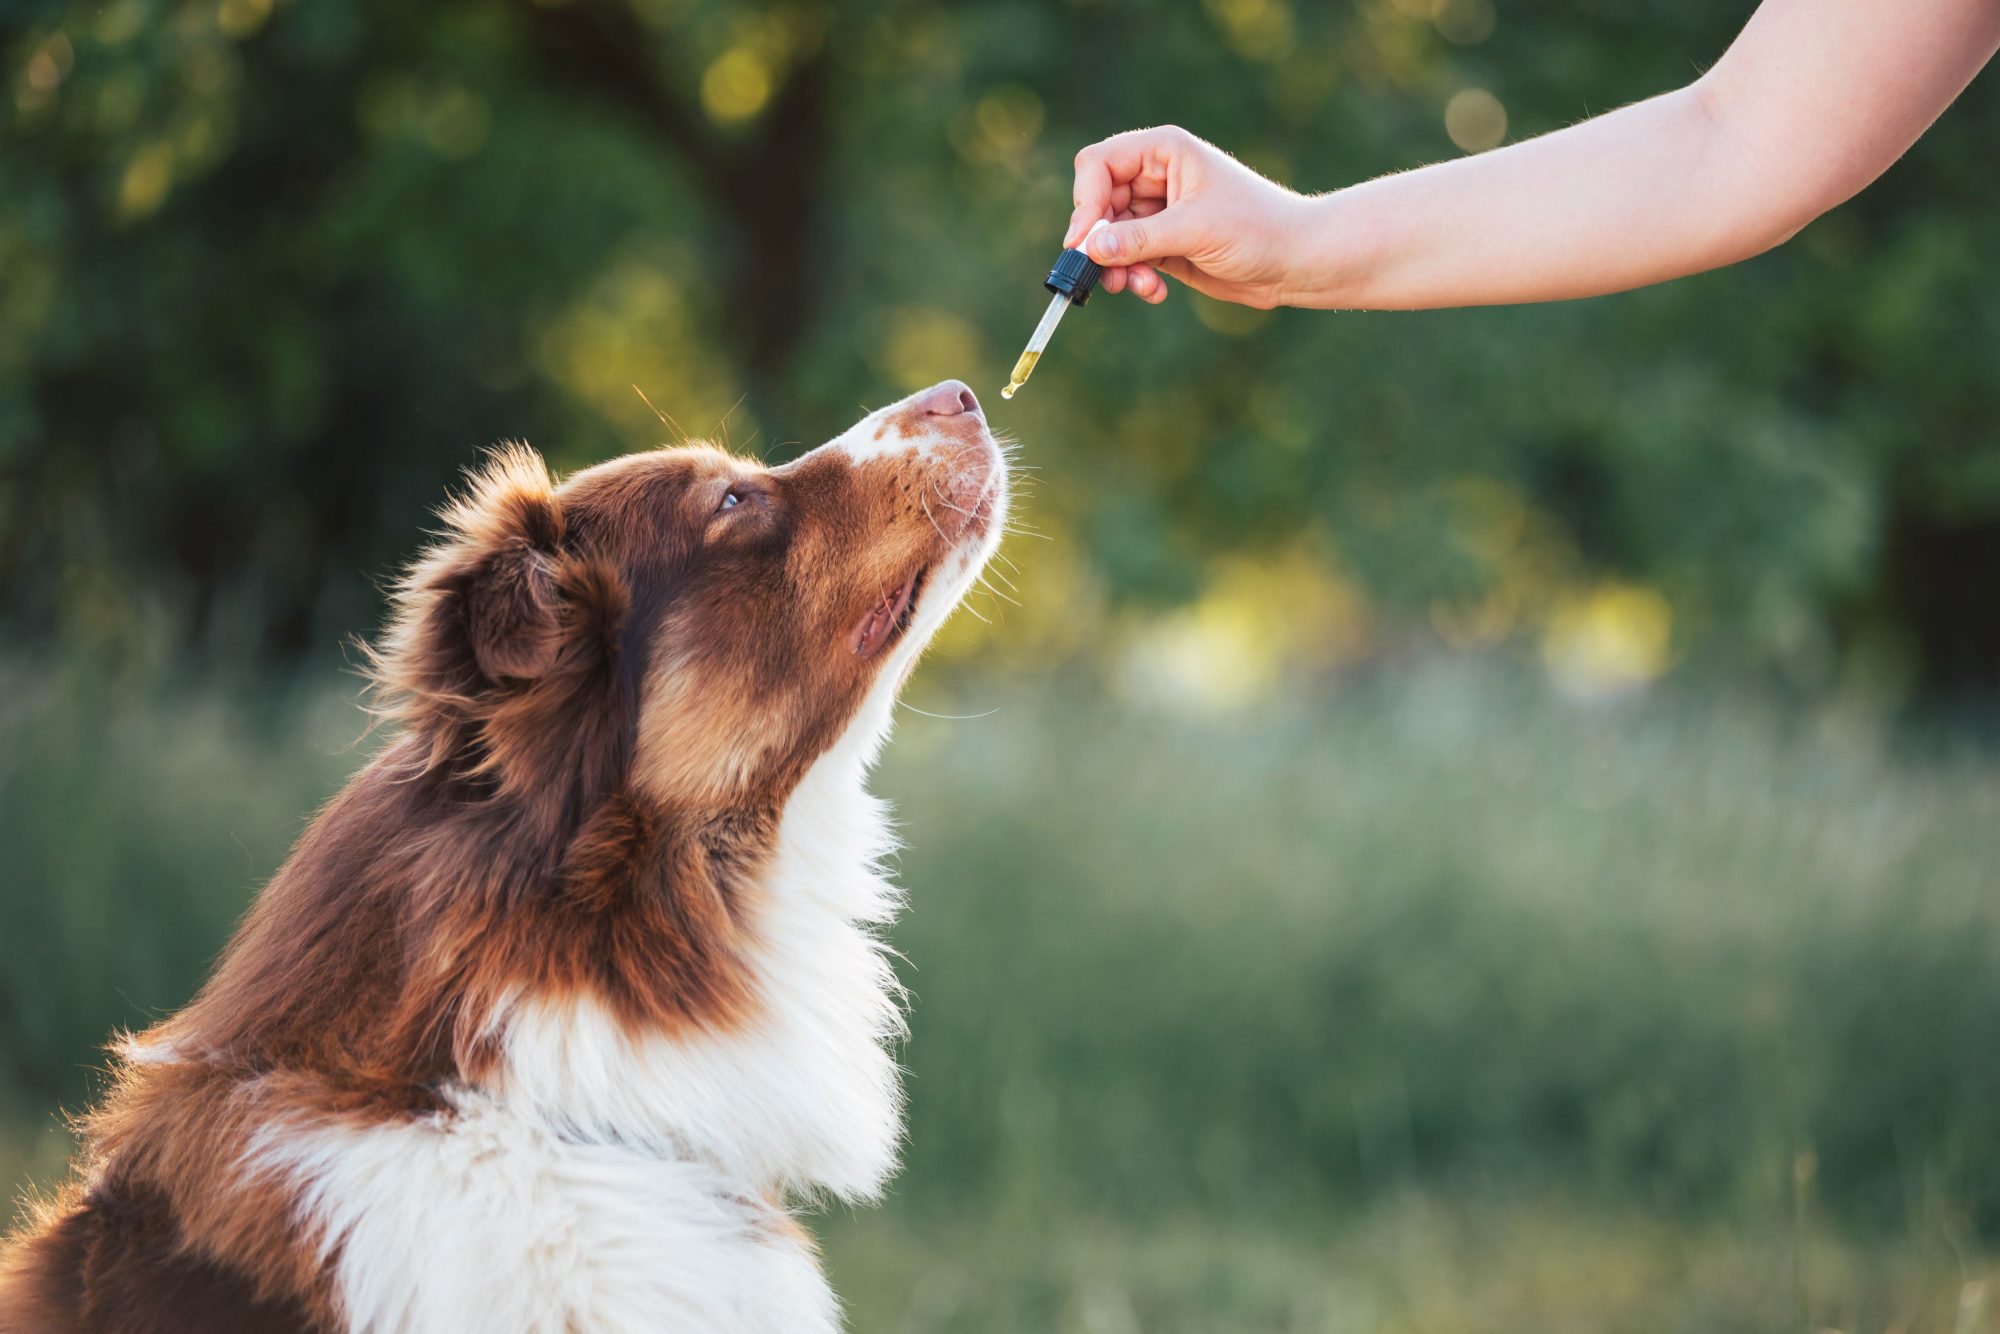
948 717
668 421
996 592
924 500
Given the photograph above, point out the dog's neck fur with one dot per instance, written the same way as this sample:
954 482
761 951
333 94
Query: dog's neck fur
802 1096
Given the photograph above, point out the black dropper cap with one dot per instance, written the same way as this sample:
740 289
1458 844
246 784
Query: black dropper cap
1074 276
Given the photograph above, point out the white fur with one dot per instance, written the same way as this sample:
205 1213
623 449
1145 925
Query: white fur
140 1049
479 1219
605 1183
871 438
807 1096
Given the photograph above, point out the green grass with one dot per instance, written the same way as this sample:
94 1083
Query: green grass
1442 1263
1434 1002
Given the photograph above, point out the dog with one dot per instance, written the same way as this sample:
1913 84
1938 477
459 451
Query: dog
563 1002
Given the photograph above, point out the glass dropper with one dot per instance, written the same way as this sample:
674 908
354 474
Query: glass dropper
1037 340
1072 280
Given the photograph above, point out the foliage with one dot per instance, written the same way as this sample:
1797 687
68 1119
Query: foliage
275 269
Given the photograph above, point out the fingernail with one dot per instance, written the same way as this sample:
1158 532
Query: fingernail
1104 246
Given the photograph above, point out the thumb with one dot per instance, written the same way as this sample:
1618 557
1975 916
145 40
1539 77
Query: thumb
1166 233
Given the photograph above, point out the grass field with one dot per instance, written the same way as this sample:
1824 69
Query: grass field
1442 1263
1434 1002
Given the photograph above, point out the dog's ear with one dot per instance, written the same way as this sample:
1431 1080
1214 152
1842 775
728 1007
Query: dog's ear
484 606
510 609
496 570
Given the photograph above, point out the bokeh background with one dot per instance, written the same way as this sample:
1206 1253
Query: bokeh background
1464 821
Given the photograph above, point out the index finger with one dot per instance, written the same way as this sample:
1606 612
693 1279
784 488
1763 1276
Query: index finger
1109 165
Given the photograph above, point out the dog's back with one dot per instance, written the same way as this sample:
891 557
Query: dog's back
112 1261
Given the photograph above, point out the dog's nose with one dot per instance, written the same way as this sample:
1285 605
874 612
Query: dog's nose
953 398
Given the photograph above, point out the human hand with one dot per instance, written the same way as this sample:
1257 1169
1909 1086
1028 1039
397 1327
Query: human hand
1180 205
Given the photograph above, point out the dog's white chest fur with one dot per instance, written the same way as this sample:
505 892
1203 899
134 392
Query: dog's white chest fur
805 1097
602 1182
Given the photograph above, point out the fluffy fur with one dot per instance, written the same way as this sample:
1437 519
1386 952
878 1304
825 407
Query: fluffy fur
578 985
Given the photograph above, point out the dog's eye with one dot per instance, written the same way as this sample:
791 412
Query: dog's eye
730 500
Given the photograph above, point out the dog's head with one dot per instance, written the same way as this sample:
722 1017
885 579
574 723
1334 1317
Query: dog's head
685 622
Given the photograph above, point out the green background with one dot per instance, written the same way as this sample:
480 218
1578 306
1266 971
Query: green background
1462 821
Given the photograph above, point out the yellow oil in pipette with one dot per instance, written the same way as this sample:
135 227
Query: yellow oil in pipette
1022 370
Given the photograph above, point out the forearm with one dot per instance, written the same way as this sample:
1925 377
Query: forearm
1813 101
1653 191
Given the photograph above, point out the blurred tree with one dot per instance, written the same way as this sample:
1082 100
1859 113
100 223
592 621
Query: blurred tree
273 269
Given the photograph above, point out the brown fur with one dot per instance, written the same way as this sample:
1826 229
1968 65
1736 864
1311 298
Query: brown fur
604 694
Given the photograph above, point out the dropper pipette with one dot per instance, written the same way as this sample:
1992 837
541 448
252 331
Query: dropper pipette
1072 280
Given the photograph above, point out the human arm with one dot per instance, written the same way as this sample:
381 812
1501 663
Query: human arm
1814 99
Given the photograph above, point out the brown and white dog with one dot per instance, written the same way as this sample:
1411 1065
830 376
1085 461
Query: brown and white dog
579 982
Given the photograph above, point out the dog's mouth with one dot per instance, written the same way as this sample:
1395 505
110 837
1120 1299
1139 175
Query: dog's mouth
887 619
